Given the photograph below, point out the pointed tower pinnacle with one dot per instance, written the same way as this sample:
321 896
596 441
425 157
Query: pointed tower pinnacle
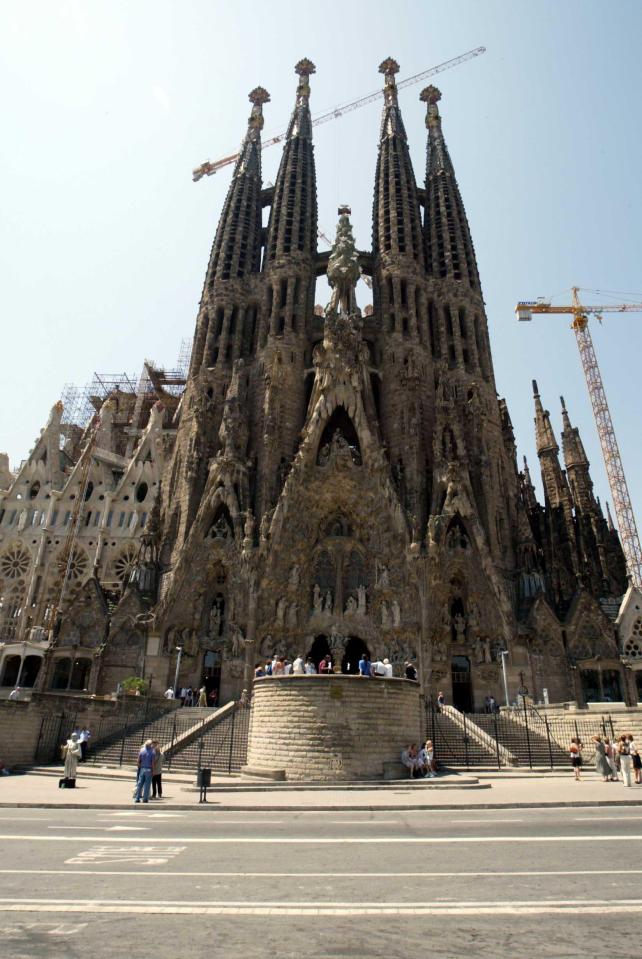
528 490
574 453
293 219
343 267
449 245
396 221
237 245
544 435
609 518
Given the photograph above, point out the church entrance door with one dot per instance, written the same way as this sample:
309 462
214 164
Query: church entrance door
462 684
355 648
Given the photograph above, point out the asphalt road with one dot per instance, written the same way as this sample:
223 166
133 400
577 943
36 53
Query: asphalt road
147 883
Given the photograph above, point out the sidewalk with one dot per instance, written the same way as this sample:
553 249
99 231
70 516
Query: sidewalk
490 790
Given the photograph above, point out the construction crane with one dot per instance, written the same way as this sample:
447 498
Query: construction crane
605 430
210 167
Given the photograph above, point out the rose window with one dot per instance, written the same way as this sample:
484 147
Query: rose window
15 562
125 564
77 565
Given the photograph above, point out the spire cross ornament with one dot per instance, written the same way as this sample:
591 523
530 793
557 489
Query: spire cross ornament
431 96
257 97
389 67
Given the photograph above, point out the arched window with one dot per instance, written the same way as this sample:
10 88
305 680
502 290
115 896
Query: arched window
141 492
61 673
10 671
339 436
80 673
222 526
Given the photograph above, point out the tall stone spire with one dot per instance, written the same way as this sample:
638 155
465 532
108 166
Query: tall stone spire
544 435
449 245
293 220
237 245
577 466
396 226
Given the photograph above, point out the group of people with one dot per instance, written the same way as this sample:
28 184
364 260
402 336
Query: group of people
420 761
281 666
613 759
149 772
190 696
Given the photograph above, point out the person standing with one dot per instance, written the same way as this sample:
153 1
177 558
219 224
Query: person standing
73 753
637 761
157 770
411 672
310 668
364 666
575 755
611 756
169 693
602 766
626 760
297 666
83 739
202 696
325 666
145 772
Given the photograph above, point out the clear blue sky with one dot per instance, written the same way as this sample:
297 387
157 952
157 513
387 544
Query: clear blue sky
107 107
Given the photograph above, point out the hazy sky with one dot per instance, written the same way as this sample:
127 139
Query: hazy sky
107 107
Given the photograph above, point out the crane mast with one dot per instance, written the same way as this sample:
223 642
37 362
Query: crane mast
605 430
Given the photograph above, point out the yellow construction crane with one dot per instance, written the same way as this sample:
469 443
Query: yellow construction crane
605 430
210 167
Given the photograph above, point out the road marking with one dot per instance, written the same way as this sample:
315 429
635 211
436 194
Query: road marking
324 908
23 819
327 840
485 821
142 855
18 929
107 828
596 819
523 874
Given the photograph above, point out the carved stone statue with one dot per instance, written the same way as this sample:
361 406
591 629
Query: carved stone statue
396 613
293 614
384 576
385 614
336 642
460 628
295 576
343 268
317 599
327 605
361 601
280 610
351 606
248 530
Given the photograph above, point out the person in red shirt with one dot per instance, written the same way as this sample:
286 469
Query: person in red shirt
325 666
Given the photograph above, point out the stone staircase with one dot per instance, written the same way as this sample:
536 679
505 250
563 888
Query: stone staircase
123 747
458 746
529 746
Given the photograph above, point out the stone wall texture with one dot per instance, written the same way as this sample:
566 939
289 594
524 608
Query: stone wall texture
331 728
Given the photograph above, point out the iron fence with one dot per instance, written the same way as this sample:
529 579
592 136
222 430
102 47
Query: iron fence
520 737
54 732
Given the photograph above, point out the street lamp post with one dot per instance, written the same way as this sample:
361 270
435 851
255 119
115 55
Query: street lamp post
179 650
504 653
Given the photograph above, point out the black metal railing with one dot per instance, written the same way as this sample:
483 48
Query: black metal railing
520 737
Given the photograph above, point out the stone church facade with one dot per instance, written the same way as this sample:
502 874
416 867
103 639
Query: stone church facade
330 480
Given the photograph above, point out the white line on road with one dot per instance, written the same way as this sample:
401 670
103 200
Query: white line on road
107 828
327 840
484 821
596 819
245 908
519 874
362 822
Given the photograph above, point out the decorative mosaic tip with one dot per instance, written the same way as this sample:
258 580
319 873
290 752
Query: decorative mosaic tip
305 67
58 407
389 67
430 94
258 96
563 404
535 389
344 210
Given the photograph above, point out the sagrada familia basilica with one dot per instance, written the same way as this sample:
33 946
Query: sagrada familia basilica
325 479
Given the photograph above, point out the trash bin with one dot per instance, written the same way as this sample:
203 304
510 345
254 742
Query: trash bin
204 778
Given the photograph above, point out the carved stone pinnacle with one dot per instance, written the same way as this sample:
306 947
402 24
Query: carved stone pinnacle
258 96
389 66
430 94
305 67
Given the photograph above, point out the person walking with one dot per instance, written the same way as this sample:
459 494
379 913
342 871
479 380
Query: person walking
575 753
157 770
145 772
602 765
637 761
73 753
626 760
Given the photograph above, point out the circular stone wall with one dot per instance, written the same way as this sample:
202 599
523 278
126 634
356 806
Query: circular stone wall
330 728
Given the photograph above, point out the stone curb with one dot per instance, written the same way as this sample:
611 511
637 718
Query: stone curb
409 807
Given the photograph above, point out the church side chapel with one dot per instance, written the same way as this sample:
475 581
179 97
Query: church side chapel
331 480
